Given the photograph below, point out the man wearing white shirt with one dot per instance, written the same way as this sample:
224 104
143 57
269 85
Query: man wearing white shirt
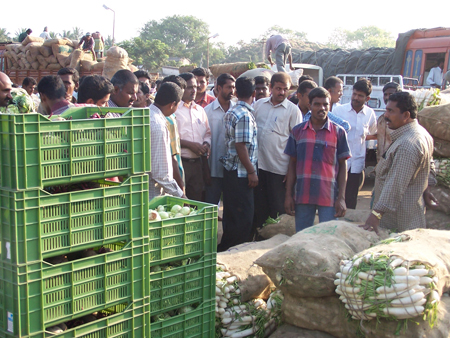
276 116
363 123
215 112
434 78
161 176
45 35
335 87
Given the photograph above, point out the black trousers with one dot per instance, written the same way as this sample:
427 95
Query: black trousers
193 173
238 209
269 197
351 190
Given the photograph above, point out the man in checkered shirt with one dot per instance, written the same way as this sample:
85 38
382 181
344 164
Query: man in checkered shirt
402 175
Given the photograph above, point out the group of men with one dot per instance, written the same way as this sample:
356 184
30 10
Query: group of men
266 155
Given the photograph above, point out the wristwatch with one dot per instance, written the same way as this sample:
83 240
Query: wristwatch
377 214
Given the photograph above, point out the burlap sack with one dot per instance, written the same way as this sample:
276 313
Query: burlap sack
14 55
436 219
42 67
42 61
441 147
34 49
329 314
358 216
10 47
61 49
21 49
252 73
51 42
87 65
240 262
35 65
17 47
45 50
62 58
21 64
186 69
30 38
54 66
51 59
98 66
290 331
68 60
27 64
443 196
133 68
30 59
235 69
116 59
77 55
88 56
306 264
436 120
285 226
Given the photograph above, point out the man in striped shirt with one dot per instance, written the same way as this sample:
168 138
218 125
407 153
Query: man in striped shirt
317 171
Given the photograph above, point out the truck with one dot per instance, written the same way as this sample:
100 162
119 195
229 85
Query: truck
18 75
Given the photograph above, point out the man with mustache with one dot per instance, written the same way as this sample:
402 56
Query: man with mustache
363 126
126 87
317 173
275 116
402 176
215 112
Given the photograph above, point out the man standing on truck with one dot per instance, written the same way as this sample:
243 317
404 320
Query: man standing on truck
5 90
87 44
363 126
402 176
434 79
99 44
45 35
281 47
23 35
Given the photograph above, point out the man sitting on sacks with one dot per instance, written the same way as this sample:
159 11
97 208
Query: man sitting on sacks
402 175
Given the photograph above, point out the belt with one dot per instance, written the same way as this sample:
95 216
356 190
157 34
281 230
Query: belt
191 159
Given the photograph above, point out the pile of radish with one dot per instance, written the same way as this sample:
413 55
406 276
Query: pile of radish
377 285
236 319
166 211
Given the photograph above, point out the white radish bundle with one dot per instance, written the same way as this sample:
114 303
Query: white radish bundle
250 319
377 285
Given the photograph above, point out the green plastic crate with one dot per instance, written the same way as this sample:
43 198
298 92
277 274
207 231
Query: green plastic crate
195 324
124 321
182 237
36 225
39 295
184 285
36 152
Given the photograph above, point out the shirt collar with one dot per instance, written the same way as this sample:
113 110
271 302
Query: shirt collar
363 110
60 104
192 105
284 103
245 104
403 129
216 105
112 104
327 125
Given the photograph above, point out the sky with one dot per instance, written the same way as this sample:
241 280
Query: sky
233 20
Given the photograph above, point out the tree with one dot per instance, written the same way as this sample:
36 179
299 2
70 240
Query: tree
4 35
288 33
150 54
186 36
362 38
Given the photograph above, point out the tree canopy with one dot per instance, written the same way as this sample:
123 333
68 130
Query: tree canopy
362 38
151 54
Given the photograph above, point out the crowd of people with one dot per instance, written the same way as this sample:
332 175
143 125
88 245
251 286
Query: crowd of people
262 153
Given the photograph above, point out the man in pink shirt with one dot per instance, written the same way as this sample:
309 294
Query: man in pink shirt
195 137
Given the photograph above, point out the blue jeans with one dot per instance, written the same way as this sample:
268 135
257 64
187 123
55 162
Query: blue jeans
214 191
305 214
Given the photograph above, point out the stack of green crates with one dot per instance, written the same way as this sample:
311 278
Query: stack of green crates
37 225
191 240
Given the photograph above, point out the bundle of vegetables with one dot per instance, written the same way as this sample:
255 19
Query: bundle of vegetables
380 285
173 313
426 97
21 103
237 319
171 211
284 224
442 167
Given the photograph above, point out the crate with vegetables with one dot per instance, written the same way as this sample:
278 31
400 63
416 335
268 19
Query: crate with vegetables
37 151
66 291
181 229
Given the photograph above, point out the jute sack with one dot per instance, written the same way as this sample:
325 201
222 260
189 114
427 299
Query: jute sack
35 65
87 65
42 61
436 219
88 56
51 42
329 314
17 47
29 39
240 262
21 49
252 73
427 246
54 66
11 46
116 59
29 58
62 59
436 120
290 331
21 64
306 264
77 55
441 147
235 69
14 55
98 66
68 60
285 226
61 49
27 64
41 67
34 49
51 59
133 68
45 51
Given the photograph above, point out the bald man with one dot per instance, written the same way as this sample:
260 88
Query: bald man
5 90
